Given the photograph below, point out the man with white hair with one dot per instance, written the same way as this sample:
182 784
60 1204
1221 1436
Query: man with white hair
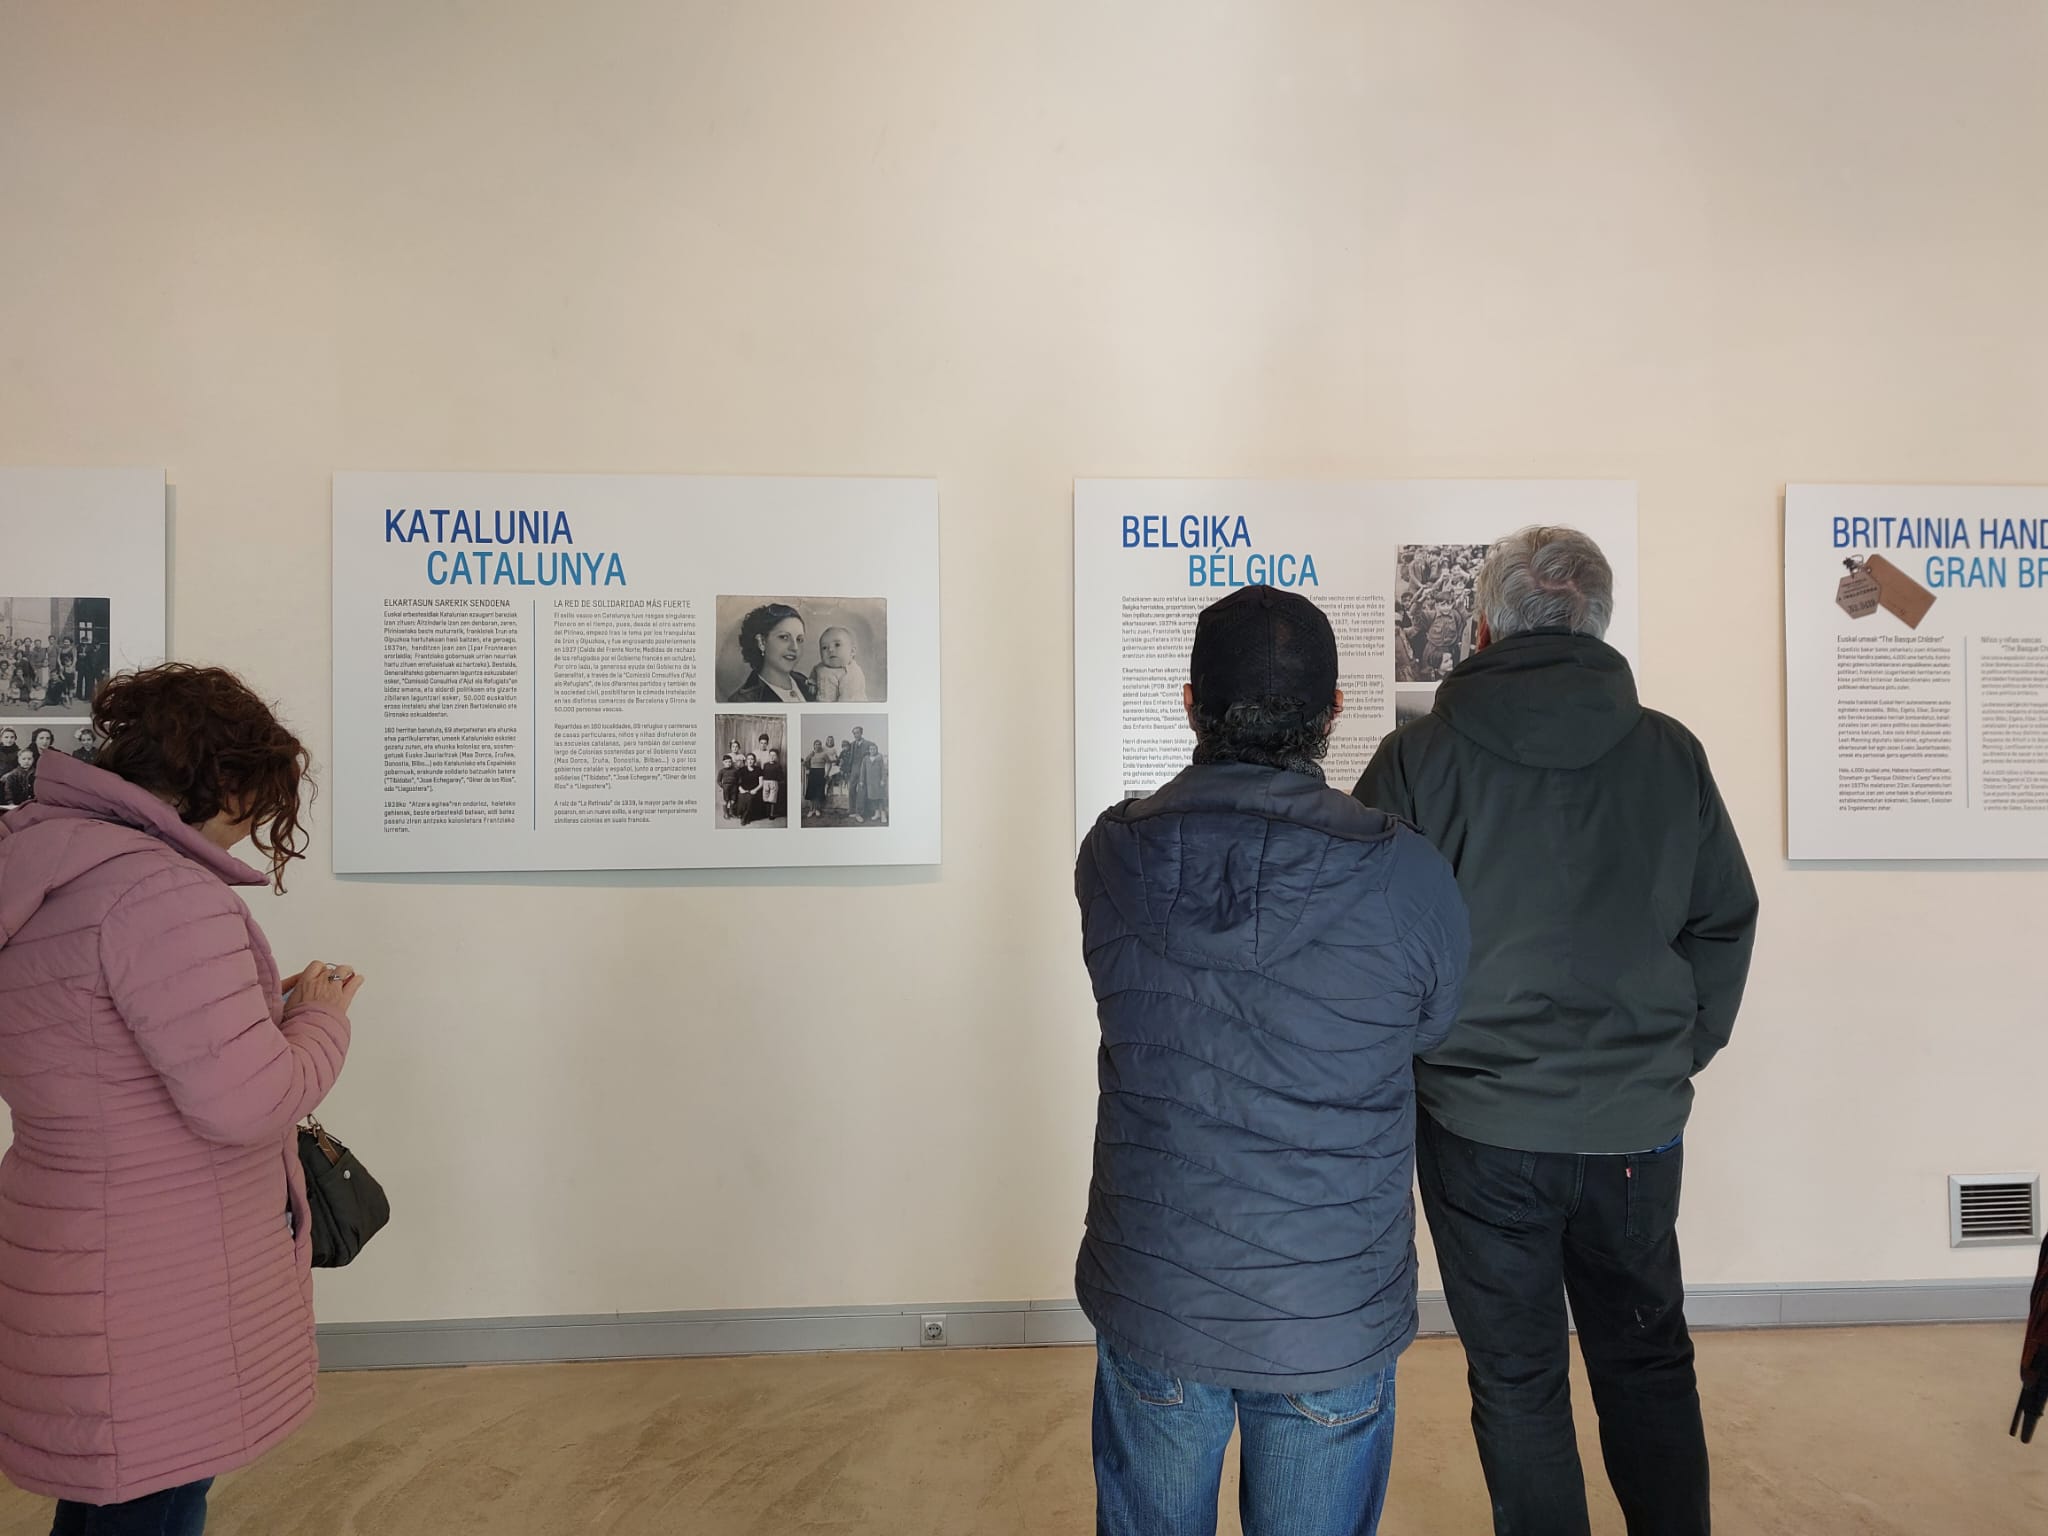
1612 920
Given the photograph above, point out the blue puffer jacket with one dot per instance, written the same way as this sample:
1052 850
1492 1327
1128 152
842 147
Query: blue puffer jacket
1268 957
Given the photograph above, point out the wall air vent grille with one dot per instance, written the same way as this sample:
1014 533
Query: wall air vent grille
1990 1208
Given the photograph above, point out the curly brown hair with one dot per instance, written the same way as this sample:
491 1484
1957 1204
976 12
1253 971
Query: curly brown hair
199 738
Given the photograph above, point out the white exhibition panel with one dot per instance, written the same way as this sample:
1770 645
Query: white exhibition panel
543 672
1916 671
1149 555
82 568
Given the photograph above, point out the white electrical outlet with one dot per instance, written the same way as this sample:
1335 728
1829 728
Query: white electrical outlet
934 1329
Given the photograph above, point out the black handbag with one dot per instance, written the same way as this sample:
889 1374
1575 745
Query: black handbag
348 1205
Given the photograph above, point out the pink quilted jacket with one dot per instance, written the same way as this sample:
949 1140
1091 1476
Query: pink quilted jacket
156 1310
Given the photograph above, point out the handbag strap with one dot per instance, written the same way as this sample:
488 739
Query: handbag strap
329 1147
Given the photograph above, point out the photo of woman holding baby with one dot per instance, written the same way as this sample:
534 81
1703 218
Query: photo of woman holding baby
803 650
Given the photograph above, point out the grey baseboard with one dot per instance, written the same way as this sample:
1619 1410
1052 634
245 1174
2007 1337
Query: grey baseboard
1015 1324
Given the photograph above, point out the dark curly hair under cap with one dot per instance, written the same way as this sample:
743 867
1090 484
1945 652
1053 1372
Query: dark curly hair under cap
1273 731
199 738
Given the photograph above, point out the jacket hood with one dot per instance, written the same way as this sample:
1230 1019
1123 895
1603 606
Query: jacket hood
1549 699
1232 866
61 837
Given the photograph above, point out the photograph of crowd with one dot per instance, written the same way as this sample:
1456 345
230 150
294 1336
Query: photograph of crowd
752 771
845 771
1436 622
803 650
53 654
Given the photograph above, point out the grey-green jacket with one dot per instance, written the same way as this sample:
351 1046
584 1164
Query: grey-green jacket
1612 910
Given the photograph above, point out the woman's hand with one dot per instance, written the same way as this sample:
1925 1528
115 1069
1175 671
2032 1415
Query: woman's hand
323 985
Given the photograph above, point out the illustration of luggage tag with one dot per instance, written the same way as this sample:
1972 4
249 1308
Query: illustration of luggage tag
1898 593
1856 592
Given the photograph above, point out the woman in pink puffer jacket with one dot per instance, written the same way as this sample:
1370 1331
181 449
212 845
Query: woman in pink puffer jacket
156 1308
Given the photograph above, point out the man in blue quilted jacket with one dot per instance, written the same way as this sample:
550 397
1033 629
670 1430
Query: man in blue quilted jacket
1268 957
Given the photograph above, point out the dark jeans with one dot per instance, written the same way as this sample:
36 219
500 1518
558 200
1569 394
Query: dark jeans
1516 1234
1314 1464
174 1512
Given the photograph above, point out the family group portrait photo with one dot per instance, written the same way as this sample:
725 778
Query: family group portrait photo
752 771
803 650
1436 621
846 771
23 747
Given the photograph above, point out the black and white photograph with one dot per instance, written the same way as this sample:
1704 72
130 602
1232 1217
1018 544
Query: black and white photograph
1436 620
752 771
22 749
845 761
53 654
1411 704
803 650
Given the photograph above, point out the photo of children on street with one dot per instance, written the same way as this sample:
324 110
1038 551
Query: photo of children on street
53 654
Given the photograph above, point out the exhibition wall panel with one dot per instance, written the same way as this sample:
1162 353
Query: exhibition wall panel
1003 246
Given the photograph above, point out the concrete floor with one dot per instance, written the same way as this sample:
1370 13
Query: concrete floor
1899 1431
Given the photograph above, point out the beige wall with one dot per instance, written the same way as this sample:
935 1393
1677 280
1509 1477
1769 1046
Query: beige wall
1709 248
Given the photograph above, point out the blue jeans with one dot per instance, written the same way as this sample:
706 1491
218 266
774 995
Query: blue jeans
174 1512
1314 1463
